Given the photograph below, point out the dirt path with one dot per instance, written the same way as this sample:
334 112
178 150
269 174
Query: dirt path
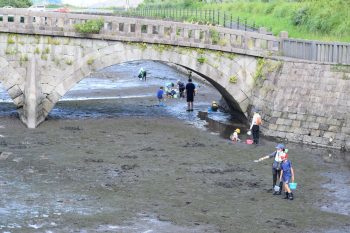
139 174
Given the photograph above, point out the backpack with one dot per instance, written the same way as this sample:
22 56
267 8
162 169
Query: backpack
258 121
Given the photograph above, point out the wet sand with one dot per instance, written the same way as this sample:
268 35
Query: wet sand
154 174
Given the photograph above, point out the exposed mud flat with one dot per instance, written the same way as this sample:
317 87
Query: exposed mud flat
146 174
111 160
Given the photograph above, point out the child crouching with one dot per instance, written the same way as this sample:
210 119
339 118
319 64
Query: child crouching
234 136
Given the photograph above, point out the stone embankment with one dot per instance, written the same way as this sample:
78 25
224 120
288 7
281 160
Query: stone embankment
305 102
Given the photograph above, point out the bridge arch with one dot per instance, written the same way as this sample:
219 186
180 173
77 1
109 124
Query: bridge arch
217 68
13 81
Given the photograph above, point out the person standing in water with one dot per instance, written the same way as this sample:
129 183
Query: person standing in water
190 92
142 74
160 97
181 87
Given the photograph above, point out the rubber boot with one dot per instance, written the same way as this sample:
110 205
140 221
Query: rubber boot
291 197
287 196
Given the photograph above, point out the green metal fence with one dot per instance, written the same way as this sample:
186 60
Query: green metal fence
213 17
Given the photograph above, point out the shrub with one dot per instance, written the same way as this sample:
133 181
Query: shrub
299 17
233 79
201 59
90 61
90 26
214 35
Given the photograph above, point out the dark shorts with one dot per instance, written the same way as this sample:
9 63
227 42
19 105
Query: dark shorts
189 98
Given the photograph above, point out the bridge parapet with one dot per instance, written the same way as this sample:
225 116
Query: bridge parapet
141 30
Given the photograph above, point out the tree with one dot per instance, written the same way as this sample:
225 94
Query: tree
16 3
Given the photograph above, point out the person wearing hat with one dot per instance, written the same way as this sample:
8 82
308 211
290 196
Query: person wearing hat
255 126
214 106
234 135
276 166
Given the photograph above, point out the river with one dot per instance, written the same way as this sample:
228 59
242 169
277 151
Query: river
109 159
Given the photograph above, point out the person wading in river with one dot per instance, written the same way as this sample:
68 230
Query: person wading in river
190 92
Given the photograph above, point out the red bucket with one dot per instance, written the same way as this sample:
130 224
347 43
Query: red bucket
249 141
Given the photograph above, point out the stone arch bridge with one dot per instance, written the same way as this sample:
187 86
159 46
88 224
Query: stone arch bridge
42 57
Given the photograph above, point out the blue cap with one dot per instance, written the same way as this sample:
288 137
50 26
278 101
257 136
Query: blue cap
280 146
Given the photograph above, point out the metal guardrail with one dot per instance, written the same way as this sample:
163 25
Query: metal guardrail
213 17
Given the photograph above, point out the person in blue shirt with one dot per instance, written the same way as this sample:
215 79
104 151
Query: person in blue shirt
287 175
160 94
276 166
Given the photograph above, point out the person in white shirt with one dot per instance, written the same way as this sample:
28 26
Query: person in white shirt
255 127
234 136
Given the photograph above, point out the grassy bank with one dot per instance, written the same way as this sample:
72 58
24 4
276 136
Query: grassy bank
308 19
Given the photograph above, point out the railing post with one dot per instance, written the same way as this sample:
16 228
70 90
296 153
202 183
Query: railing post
238 23
224 19
313 51
283 36
218 18
335 54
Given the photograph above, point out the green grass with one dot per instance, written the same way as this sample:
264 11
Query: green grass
323 20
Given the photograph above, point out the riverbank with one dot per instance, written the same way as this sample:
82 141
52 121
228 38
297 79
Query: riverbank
138 173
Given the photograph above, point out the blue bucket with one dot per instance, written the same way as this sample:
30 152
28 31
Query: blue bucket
293 186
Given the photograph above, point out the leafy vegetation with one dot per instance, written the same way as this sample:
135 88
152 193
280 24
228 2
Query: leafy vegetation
90 26
201 59
310 19
16 3
233 79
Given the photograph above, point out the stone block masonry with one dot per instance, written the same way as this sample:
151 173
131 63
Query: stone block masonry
308 103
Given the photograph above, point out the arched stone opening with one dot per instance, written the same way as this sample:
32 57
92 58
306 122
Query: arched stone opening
216 74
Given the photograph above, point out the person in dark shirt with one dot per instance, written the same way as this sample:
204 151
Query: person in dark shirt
276 166
190 92
181 87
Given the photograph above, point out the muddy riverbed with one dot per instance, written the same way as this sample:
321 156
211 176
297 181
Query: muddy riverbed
123 164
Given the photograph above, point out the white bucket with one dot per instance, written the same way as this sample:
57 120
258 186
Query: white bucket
276 188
